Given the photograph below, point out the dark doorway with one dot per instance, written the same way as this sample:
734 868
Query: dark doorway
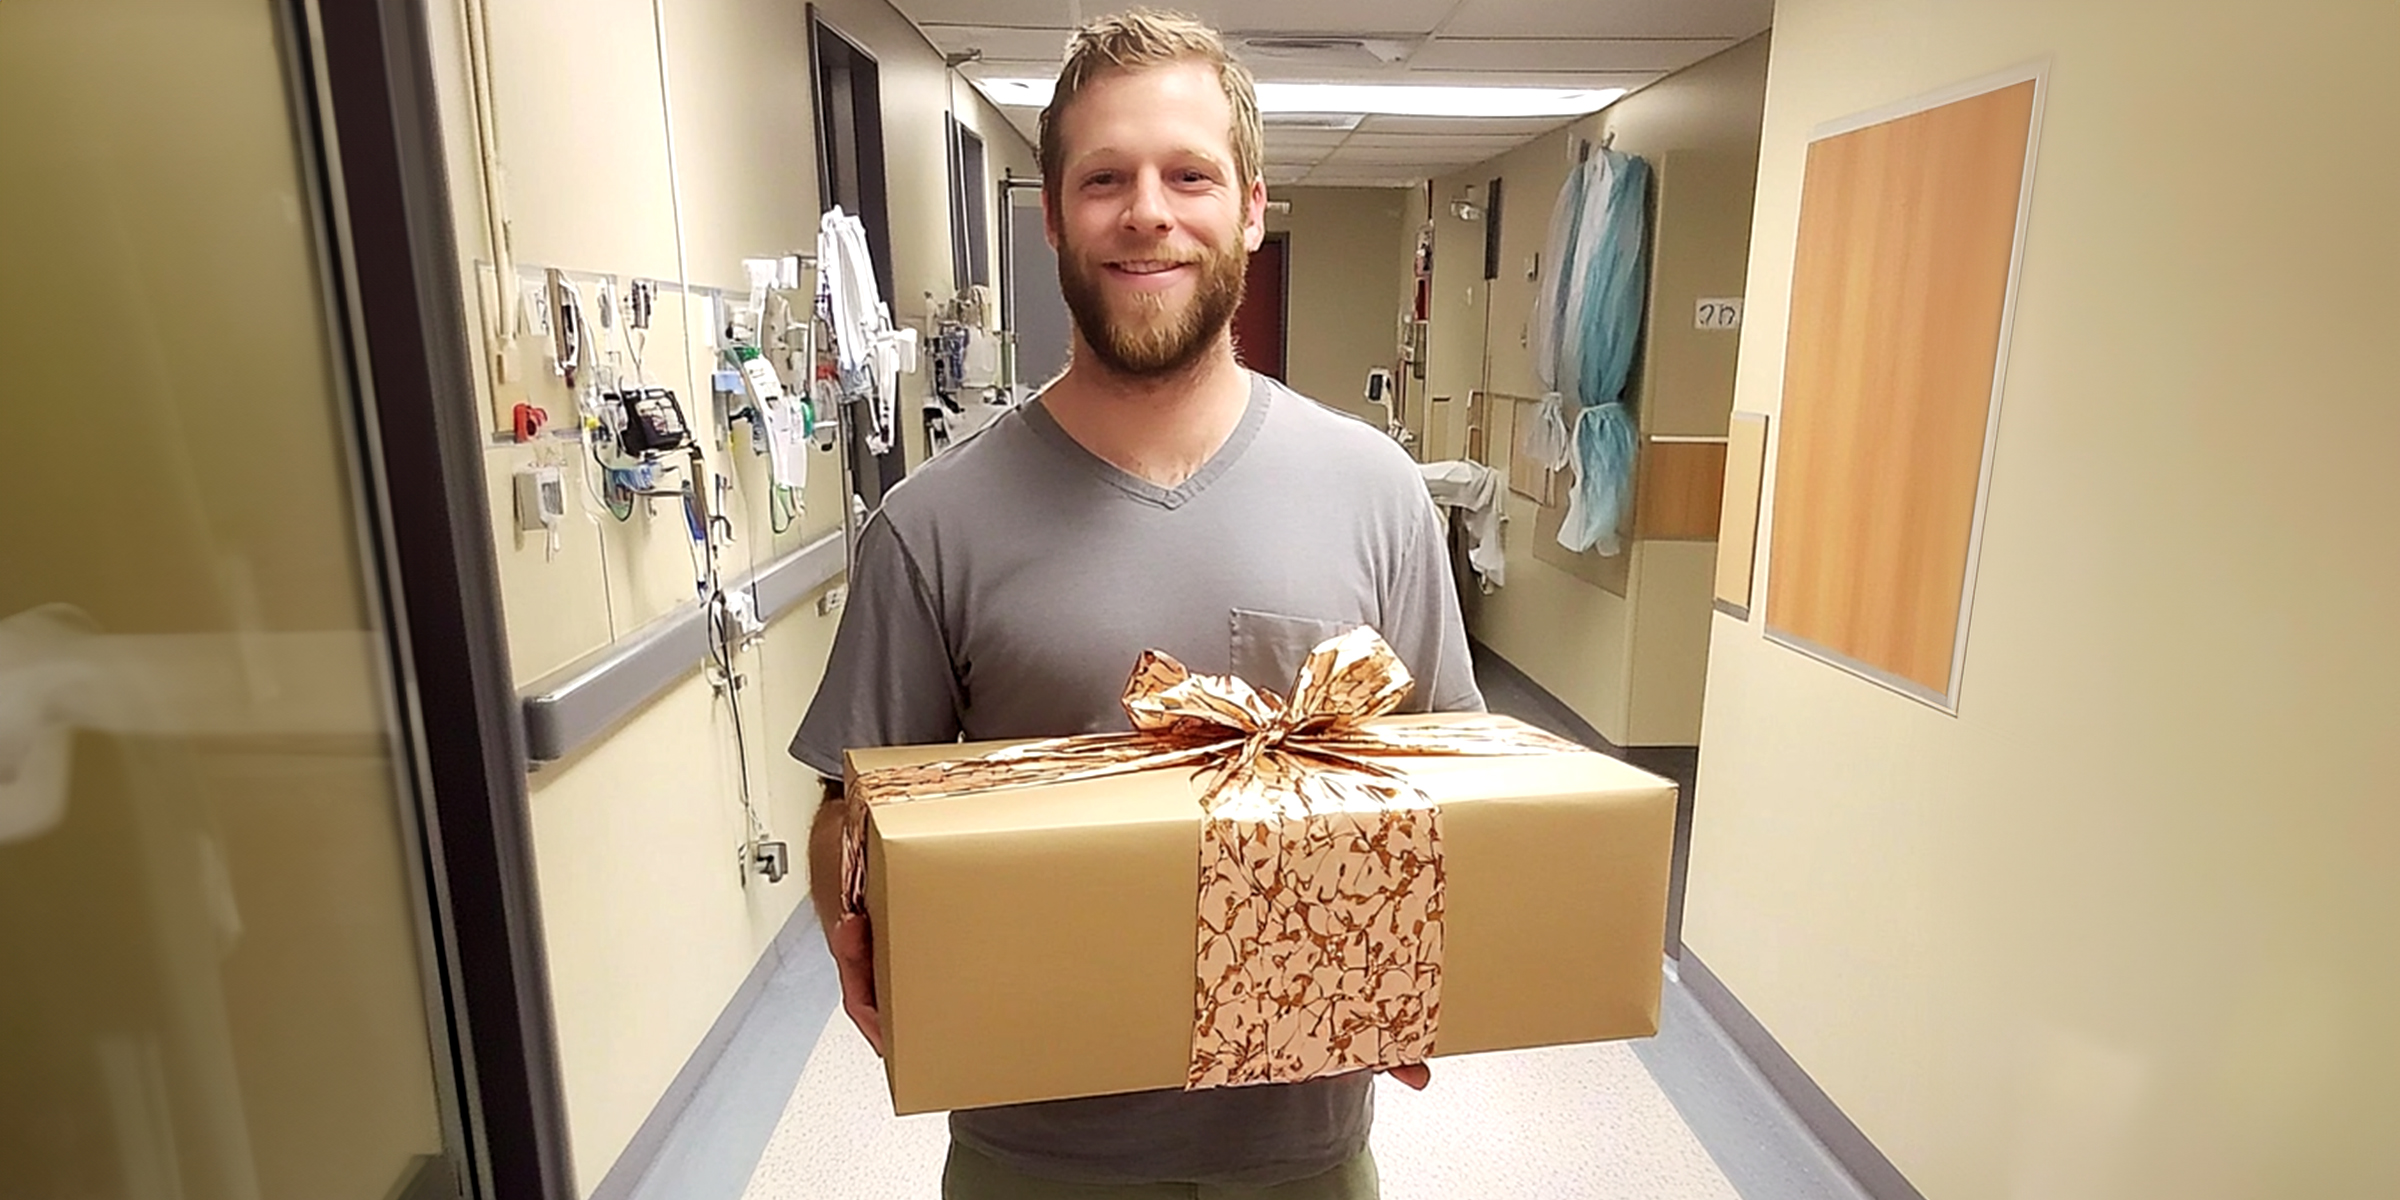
1032 307
970 220
1258 325
850 174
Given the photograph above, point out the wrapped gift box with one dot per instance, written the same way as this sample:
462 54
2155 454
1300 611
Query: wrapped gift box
1037 943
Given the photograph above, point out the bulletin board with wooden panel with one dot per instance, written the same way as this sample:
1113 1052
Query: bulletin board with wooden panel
1911 229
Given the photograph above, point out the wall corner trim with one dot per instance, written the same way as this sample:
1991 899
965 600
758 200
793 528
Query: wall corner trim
1848 1144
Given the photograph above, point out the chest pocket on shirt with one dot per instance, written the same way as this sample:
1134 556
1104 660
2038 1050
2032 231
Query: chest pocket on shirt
1268 648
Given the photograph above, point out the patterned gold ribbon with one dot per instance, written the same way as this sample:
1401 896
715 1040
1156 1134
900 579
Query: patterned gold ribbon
1319 936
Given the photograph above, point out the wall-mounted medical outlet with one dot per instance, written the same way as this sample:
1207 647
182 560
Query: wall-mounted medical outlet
541 499
771 859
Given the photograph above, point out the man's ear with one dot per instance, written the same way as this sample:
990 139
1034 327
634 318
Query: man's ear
1050 219
1254 216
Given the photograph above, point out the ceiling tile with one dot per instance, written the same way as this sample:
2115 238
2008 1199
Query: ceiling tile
1564 54
1281 140
1480 77
1430 164
1507 127
1431 143
1355 17
1611 19
1027 43
1036 14
1324 177
1327 16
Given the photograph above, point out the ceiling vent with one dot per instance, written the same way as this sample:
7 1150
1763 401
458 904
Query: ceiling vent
1311 120
1328 51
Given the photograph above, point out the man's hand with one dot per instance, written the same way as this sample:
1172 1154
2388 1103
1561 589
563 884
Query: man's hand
853 947
1415 1075
846 934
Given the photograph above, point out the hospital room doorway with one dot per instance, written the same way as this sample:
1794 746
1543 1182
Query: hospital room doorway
1258 325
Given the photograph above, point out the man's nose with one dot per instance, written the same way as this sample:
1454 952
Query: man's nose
1146 209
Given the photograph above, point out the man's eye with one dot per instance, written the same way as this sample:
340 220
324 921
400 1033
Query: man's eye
1101 179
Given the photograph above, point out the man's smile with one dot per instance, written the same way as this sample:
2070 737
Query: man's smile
1149 272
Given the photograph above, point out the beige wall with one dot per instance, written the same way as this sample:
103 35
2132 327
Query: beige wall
1413 213
1455 353
1341 275
1623 643
650 930
213 982
2123 927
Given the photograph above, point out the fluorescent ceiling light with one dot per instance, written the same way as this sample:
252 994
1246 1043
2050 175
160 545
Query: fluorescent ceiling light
1430 100
1386 99
1031 93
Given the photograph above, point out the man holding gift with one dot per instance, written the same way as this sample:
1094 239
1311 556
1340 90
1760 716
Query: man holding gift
1156 496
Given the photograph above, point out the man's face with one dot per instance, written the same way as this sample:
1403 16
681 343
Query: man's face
1152 228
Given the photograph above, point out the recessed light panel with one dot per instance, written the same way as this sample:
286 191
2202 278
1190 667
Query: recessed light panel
1391 99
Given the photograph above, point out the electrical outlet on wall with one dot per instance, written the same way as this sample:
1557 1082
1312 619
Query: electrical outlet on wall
833 599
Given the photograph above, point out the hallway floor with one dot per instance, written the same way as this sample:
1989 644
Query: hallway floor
1578 1123
797 1109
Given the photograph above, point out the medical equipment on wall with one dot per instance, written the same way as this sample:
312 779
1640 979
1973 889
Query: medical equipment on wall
869 352
766 337
967 393
1585 321
1379 386
646 421
541 492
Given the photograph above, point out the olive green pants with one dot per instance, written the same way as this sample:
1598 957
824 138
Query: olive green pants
973 1176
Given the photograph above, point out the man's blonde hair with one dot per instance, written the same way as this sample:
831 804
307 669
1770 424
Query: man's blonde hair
1143 37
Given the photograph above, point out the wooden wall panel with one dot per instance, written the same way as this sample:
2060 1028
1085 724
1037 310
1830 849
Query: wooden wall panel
1900 282
1678 486
1526 477
1737 523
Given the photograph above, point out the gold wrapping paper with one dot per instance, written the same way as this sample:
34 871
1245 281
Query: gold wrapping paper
1036 943
1320 891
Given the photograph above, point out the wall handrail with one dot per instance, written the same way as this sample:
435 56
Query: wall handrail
575 704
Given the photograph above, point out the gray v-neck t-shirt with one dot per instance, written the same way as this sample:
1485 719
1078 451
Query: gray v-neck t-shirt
1007 587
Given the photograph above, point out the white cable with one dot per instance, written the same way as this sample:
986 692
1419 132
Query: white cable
712 587
499 237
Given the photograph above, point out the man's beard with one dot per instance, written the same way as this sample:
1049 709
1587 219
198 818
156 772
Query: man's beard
1153 340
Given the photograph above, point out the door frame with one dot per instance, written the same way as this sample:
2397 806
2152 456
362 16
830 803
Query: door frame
365 93
871 475
1282 238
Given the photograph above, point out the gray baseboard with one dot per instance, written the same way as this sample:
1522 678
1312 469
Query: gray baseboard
1849 1146
703 1138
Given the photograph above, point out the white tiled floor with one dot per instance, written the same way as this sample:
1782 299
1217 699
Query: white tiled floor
1571 1123
838 1139
1575 1123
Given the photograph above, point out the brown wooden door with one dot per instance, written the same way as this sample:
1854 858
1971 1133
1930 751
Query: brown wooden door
1258 324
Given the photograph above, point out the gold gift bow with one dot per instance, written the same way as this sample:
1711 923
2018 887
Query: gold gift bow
1320 909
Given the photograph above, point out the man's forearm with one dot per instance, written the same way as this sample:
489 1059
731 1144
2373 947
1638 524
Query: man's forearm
825 857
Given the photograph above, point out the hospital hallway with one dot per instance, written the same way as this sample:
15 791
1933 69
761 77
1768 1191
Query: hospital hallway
794 1104
522 512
